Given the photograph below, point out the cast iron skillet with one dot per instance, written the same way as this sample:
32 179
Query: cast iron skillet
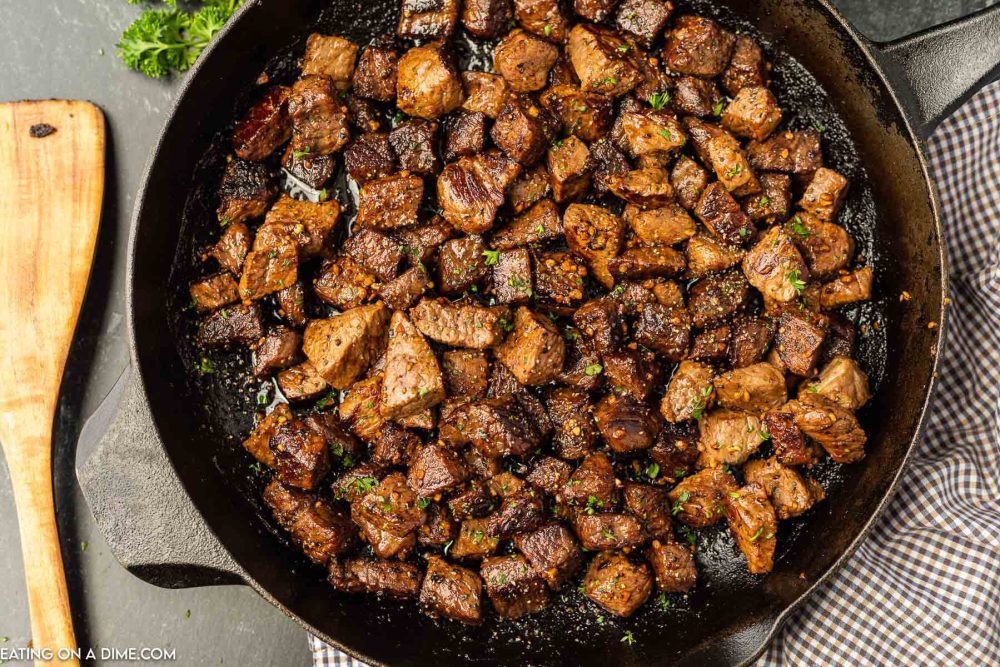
171 488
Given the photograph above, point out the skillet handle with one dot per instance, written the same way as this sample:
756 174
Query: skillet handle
937 70
142 509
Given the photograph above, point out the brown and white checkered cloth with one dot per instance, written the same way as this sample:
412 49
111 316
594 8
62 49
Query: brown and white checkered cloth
924 588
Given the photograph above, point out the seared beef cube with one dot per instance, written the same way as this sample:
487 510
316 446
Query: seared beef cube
278 349
715 298
625 424
301 455
465 373
543 17
645 188
381 577
343 346
746 68
752 521
438 530
632 372
665 330
246 191
673 566
413 379
690 392
390 506
689 181
594 478
519 513
560 278
301 383
524 61
534 352
214 292
608 162
594 10
375 76
580 370
292 304
676 449
319 529
575 431
355 482
647 262
524 130
505 484
265 126
600 320
496 427
472 502
533 186
473 542
234 325
313 170
385 544
603 532
695 97
731 167
465 134
790 446
754 388
435 469
644 20
775 267
471 190
487 18
706 254
570 167
309 224
711 345
395 446
319 118
258 443
847 288
390 202
753 114
415 144
230 251
461 264
700 134
827 247
513 587
428 19
376 251
787 152
799 340
728 438
420 243
790 493
332 57
750 340
835 428
552 552
427 83
485 93
461 325
359 409
650 132
601 59
549 474
698 46
652 506
539 223
512 278
775 200
825 194
402 292
344 284
365 115
451 591
586 115
617 584
370 156
698 500
595 234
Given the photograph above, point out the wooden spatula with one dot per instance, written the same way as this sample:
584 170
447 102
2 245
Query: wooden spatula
51 187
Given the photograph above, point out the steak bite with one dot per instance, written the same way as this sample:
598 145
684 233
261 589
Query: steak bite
593 478
666 225
833 427
664 329
626 424
496 427
698 46
279 348
643 20
313 170
512 277
652 506
415 145
753 113
395 446
524 130
420 243
473 543
539 223
435 469
690 392
301 382
698 500
471 190
752 521
751 337
459 324
602 61
485 93
461 264
787 152
359 409
715 298
319 529
487 19
650 261
375 251
524 61
723 216
695 97
544 18
676 449
245 192
827 248
549 474
775 267
552 552
413 380
746 68
308 223
520 512
465 373
847 288
214 292
726 157
773 202
534 352
604 532
711 345
343 346
601 321
233 325
230 251
799 340
472 502
673 566
258 443
465 134
645 188
330 56
292 304
582 360
451 591
402 292
790 493
265 127
320 123
588 116
375 76
372 575
301 456
790 447
843 382
825 194
570 167
575 431
706 254
595 234
428 19
609 161
632 371
370 156
650 132
344 284
390 202
514 588
594 10
427 82
728 437
391 506
755 388
617 584
689 181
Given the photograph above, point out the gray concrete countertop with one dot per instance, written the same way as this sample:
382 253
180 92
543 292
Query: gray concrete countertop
65 49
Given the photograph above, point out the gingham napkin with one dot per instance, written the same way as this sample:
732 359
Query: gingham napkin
924 588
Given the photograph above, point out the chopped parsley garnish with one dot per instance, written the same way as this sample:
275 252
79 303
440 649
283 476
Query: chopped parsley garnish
422 503
744 232
547 30
326 400
206 366
797 283
593 504
624 48
764 200
659 100
734 171
298 155
421 392
607 534
324 195
618 290
662 601
756 536
653 470
492 257
364 484
477 536
734 494
799 228
717 109
627 638
593 369
698 405
518 283
665 133
610 80
678 506
813 388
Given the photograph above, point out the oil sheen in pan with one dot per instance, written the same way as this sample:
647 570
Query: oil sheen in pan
230 396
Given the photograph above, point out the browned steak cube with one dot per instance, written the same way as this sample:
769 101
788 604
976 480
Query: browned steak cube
465 134
279 349
496 427
395 446
665 225
436 469
549 474
673 566
365 115
790 493
775 267
301 455
309 224
689 392
461 325
644 20
427 83
465 373
245 192
790 447
594 10
403 292
258 443
235 325
647 262
799 340
595 234
726 158
601 60
313 170
319 529
570 166
359 409
344 283
301 383
343 346
332 57
372 575
626 424
539 223
265 127
428 19
676 449
513 586
473 542
825 194
375 76
754 388
230 251
650 132
559 278
544 18
773 202
375 251
608 162
390 506
689 181
695 97
746 68
485 93
415 144
753 523
753 114
699 500
617 584
706 254
713 299
319 118
413 379
632 372
592 485
487 19
664 329
751 338
390 202
651 505
451 591
524 130
827 248
534 352
439 529
848 288
580 368
531 187
698 46
385 544
420 243
728 438
214 292
471 190
601 321
505 484
524 60
834 427
604 532
645 188
512 280
575 431
461 264
370 156
472 502
586 115
519 513
552 552
787 152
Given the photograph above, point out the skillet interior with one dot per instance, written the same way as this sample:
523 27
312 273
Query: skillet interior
201 419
